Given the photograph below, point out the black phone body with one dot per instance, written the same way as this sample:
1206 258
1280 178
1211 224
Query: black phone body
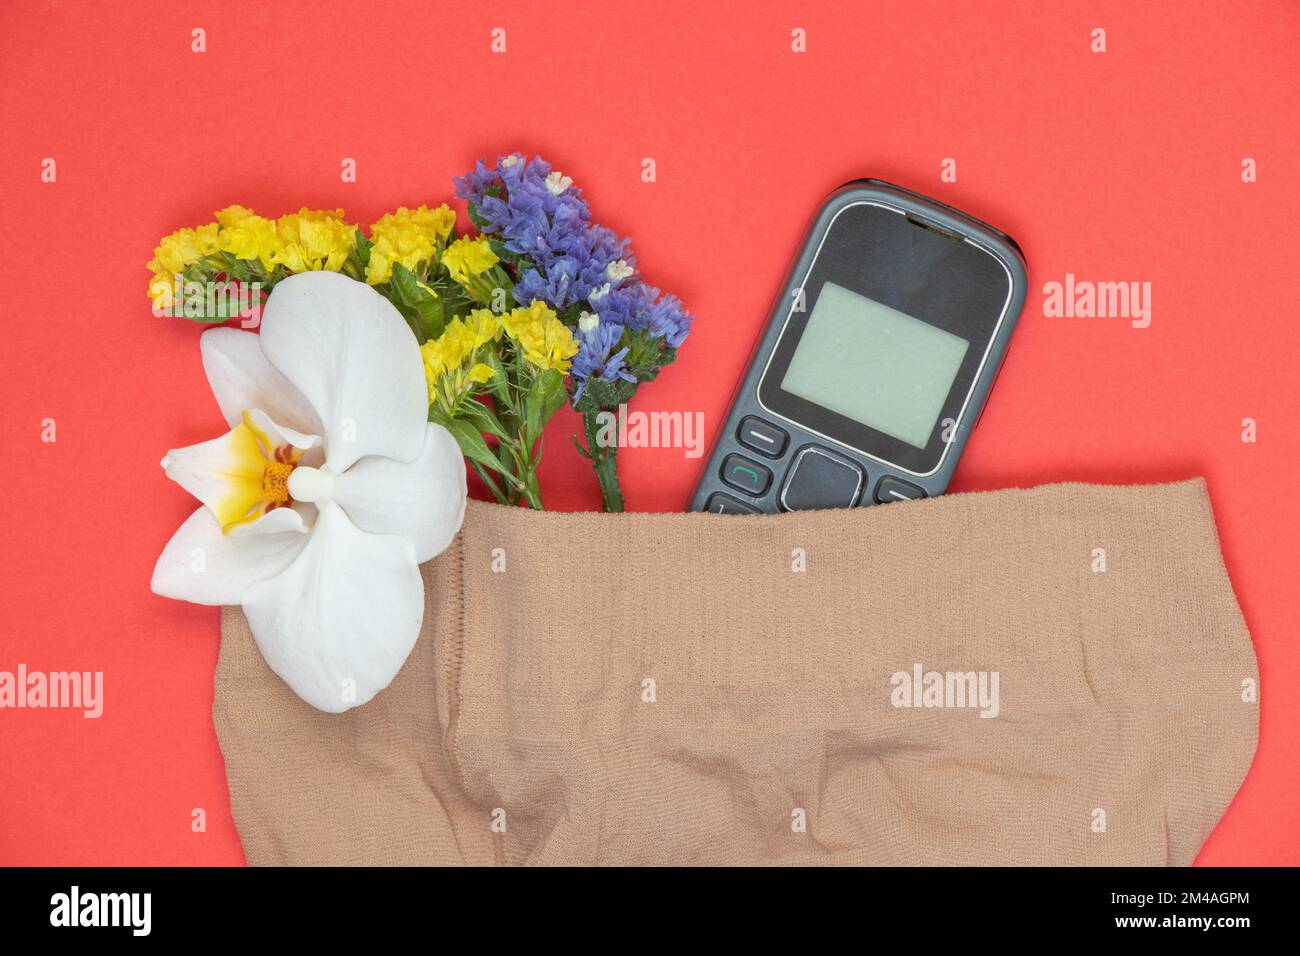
875 362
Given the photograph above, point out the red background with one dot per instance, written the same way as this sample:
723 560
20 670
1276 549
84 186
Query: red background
1117 166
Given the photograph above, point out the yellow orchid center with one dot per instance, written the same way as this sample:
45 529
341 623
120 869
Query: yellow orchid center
258 475
275 481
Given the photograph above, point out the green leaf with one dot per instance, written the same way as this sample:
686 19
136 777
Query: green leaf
455 302
406 284
359 257
479 222
471 443
481 417
580 447
203 319
498 246
423 304
363 246
554 395
208 300
545 395
500 383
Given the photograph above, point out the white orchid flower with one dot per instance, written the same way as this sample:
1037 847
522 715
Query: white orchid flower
327 493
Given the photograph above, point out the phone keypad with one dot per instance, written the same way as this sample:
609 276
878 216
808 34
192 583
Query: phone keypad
813 476
896 489
762 437
747 475
720 504
821 478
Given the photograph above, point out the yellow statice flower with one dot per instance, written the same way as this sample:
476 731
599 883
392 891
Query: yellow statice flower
479 373
450 361
409 237
184 247
175 254
546 341
483 326
312 240
248 236
469 257
451 383
162 289
438 222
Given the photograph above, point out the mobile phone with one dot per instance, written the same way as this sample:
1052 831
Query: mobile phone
876 360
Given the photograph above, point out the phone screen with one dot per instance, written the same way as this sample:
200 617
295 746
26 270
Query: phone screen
878 366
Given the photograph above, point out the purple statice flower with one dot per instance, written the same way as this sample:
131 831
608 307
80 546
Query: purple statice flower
594 359
474 184
516 171
556 282
637 306
540 216
561 234
608 258
623 305
668 319
518 220
596 251
532 212
572 265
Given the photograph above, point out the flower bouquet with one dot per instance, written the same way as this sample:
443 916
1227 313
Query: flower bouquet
385 360
540 307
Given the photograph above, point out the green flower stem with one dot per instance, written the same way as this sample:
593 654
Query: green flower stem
604 459
533 492
492 486
523 470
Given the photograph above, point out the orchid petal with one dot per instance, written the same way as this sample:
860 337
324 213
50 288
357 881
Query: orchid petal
242 377
281 434
350 352
226 473
203 565
276 521
339 622
422 500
